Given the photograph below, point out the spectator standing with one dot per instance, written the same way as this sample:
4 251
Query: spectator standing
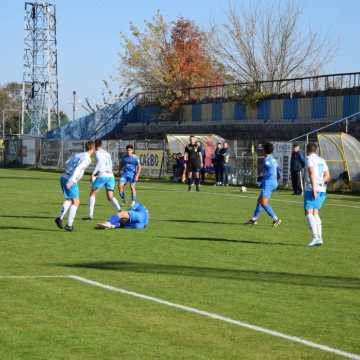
224 162
297 165
217 164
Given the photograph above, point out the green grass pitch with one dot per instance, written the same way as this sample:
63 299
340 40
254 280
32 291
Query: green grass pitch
196 252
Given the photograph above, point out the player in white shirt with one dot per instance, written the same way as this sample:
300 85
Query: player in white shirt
102 176
316 177
74 171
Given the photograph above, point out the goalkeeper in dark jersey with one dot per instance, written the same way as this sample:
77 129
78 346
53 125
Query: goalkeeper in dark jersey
193 164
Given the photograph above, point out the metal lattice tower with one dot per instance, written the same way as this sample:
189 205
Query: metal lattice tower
40 100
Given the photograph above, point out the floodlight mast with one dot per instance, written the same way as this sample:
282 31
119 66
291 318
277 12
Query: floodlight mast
40 97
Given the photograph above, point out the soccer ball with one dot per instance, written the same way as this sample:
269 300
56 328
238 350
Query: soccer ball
243 189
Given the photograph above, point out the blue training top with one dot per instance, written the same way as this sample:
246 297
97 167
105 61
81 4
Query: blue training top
139 218
271 169
130 163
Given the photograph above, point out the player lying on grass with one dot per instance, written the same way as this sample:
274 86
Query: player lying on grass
129 173
136 217
268 184
102 176
316 177
74 171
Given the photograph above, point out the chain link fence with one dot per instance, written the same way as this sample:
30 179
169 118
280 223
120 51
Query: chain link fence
245 163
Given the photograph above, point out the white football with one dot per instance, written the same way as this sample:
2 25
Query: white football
243 189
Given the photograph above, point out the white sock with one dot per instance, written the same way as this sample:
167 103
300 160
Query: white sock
92 200
319 225
64 209
312 225
115 203
72 214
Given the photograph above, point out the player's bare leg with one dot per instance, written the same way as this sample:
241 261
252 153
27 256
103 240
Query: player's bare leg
121 188
133 193
110 196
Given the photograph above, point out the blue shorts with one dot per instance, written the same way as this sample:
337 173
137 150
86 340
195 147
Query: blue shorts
72 193
311 203
101 181
127 178
267 190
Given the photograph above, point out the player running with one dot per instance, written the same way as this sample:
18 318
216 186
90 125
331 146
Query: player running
129 173
102 176
316 177
193 163
269 183
74 171
137 217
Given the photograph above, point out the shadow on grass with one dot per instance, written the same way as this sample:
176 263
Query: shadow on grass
318 281
22 178
27 216
196 238
188 221
25 228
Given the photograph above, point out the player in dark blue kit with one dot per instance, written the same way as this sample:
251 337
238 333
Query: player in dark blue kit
136 217
130 173
268 184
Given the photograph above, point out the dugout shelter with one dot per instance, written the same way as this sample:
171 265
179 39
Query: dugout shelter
342 154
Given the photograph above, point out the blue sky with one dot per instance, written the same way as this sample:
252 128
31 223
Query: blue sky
88 35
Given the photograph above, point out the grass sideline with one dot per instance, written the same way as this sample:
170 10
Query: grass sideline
259 275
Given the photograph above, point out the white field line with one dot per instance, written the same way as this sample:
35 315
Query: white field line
255 197
219 317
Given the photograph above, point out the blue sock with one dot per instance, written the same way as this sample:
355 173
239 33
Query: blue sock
122 195
269 210
133 196
258 210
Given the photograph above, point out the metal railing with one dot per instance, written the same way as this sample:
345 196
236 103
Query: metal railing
299 85
346 120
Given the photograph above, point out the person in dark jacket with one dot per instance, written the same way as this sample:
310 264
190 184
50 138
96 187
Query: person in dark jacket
224 164
217 164
297 165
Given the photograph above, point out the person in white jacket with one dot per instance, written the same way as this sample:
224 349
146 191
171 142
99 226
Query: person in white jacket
102 176
74 171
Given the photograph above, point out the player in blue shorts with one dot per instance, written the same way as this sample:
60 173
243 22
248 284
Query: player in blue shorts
74 171
268 184
136 217
102 176
317 175
129 173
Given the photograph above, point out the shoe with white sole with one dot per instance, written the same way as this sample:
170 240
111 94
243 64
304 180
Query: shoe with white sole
104 226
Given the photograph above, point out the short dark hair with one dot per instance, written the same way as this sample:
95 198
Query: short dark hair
98 143
89 145
311 147
295 145
268 148
129 147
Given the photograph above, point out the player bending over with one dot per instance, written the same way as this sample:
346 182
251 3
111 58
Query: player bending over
137 217
129 173
269 183
193 163
102 176
316 177
74 171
